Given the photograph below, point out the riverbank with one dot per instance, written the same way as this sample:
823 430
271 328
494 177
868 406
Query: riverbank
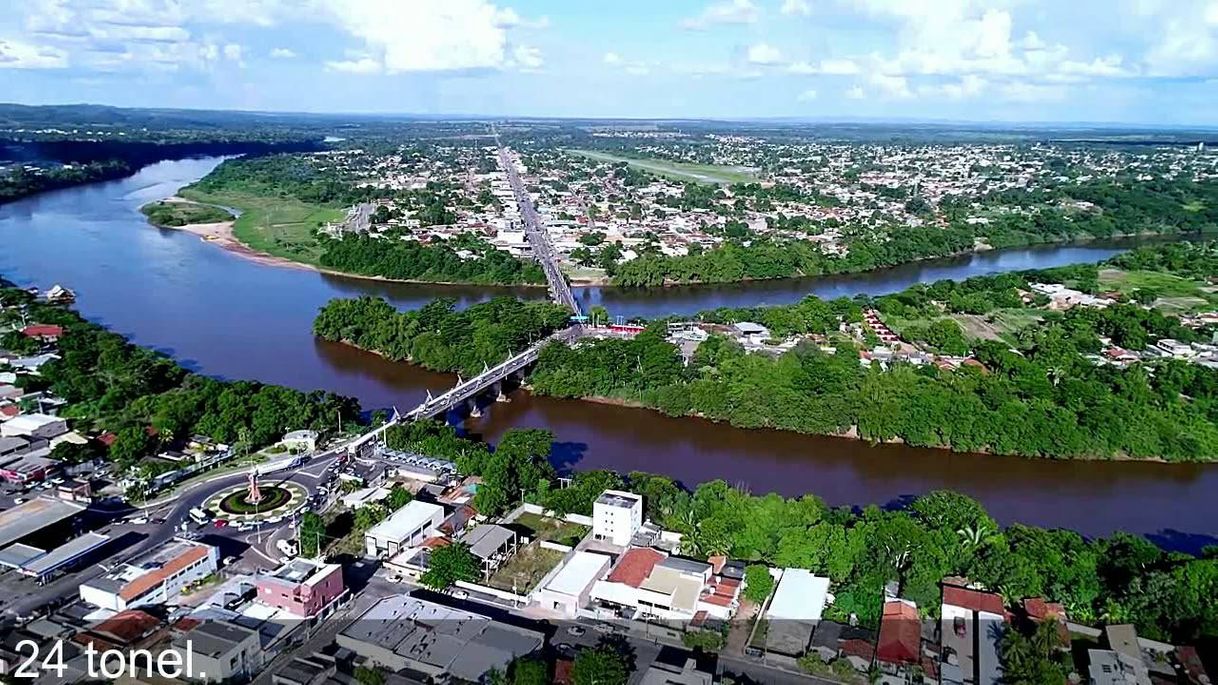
228 317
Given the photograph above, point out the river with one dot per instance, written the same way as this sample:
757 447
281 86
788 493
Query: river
223 315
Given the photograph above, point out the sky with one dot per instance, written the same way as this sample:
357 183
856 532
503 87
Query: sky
1119 61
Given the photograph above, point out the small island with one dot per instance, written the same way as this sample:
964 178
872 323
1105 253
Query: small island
175 213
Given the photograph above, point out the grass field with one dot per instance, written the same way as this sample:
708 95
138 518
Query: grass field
1175 293
678 171
552 529
277 226
523 571
997 325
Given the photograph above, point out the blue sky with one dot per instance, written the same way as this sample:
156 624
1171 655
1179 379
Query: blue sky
1141 61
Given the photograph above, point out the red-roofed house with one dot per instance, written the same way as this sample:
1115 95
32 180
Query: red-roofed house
900 633
649 582
858 652
126 630
634 566
974 600
972 624
43 332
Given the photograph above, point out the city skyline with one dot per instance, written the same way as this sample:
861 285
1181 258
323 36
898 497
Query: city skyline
1141 62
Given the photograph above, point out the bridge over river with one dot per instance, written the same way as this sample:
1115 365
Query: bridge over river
492 378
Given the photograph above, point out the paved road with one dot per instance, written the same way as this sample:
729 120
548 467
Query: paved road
539 237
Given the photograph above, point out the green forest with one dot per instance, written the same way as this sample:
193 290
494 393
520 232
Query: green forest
1040 394
436 262
18 182
1045 398
1159 207
174 214
118 387
438 336
1119 579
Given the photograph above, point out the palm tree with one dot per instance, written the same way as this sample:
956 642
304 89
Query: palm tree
976 535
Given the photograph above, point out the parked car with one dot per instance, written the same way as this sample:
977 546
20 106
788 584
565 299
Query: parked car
220 523
577 631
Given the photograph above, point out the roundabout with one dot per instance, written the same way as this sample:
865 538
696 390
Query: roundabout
257 503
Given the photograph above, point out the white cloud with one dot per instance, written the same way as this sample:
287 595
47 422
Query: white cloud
18 55
283 53
433 35
724 12
970 85
232 52
527 57
764 54
890 86
509 19
362 65
796 7
806 96
632 67
1018 91
828 67
855 93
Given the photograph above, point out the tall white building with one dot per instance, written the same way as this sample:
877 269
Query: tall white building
616 516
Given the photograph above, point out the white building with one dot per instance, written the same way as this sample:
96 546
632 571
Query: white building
34 426
406 527
795 610
570 589
617 516
156 578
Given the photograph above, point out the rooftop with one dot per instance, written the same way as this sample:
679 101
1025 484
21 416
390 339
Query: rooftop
298 571
618 498
463 644
485 540
635 566
976 600
578 573
33 516
801 596
134 579
406 520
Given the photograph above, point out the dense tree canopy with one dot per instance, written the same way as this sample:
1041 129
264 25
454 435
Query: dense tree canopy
438 336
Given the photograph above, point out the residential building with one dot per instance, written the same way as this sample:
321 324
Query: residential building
648 583
436 641
1110 667
570 589
302 587
616 516
34 426
302 441
971 629
221 651
795 610
900 641
156 578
